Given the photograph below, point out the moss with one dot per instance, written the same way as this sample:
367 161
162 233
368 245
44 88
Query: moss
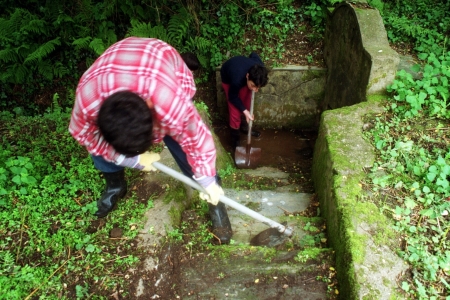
176 193
312 74
376 98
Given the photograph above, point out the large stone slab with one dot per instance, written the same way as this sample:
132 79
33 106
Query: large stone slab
357 53
357 231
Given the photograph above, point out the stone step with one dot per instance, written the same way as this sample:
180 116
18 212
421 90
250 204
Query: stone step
252 276
270 204
240 271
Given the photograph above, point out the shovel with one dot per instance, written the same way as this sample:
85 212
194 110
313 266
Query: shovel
248 157
277 227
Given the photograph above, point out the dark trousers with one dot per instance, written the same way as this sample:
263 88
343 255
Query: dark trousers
175 149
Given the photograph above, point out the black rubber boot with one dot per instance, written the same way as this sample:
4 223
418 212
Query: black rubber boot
116 188
235 138
221 223
255 133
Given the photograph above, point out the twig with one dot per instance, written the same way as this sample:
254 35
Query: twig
116 259
220 242
309 279
21 235
51 275
285 211
78 202
442 128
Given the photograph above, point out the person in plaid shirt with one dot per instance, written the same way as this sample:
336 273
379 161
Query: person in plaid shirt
138 92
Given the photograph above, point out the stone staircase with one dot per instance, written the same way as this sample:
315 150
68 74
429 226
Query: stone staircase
242 271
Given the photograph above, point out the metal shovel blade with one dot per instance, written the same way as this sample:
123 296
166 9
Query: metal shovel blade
247 157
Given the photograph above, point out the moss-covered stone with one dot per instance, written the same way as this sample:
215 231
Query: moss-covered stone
357 230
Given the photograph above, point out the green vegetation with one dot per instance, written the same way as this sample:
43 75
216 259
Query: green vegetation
410 179
48 187
46 47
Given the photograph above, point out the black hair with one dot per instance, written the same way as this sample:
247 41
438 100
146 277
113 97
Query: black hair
126 122
258 74
191 60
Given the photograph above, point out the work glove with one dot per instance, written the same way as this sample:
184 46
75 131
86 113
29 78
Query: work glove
213 193
146 160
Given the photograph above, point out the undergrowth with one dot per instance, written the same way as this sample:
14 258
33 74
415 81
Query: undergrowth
410 179
48 187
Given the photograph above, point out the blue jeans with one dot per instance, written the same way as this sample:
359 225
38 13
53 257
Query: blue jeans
175 149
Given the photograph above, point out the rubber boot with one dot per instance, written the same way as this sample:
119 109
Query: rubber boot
116 188
219 218
235 138
221 223
255 133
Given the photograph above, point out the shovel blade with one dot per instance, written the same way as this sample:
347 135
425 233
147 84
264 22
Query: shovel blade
247 157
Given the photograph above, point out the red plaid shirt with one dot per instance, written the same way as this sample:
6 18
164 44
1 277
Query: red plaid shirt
155 71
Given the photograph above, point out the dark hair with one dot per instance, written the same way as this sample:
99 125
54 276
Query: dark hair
191 60
258 74
126 122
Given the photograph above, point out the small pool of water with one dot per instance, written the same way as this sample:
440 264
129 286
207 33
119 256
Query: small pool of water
279 148
290 151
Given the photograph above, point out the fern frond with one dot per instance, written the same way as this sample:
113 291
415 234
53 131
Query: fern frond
82 43
45 69
140 29
97 45
43 50
8 55
20 73
111 36
178 27
198 44
16 19
36 26
59 70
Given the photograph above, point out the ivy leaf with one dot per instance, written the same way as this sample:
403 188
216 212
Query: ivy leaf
90 248
410 203
17 180
422 56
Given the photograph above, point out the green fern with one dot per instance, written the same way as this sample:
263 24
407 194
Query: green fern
198 44
145 30
82 43
8 55
43 50
178 26
20 72
98 46
45 69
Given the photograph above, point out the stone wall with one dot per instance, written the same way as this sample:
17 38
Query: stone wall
358 56
360 65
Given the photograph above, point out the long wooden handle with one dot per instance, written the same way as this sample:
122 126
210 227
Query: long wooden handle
244 209
249 134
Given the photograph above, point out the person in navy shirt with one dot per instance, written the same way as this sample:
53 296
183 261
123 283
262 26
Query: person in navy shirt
240 77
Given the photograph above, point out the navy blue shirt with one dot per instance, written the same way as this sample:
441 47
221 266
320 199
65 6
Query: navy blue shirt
234 71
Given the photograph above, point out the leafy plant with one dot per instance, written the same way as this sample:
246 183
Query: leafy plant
412 172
